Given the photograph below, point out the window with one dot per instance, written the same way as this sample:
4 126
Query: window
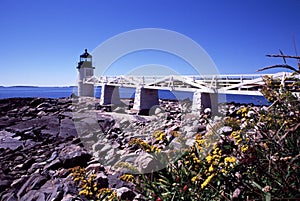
88 72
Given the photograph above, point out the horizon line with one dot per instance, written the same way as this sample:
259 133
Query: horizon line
38 86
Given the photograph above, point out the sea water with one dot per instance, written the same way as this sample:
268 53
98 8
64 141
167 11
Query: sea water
60 92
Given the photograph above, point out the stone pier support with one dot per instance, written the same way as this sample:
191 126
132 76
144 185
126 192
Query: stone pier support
205 100
85 89
145 99
109 95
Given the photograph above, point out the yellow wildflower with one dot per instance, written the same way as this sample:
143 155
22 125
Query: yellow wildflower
224 170
140 142
155 149
235 135
127 178
211 168
238 141
157 133
244 148
194 179
207 181
208 158
217 151
107 192
161 137
112 196
216 157
243 111
266 146
198 147
84 192
230 159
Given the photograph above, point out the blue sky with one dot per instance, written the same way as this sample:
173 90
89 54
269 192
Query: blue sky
40 41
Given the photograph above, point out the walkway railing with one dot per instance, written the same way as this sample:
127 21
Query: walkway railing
227 83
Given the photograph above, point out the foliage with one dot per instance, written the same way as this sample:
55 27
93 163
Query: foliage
258 160
144 145
89 187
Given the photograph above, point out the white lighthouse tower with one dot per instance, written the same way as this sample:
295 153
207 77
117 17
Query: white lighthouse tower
85 70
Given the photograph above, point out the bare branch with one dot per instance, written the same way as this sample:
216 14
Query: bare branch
279 66
284 56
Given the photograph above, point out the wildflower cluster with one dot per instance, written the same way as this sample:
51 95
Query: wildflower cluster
236 136
160 136
241 140
214 164
89 186
144 145
243 111
244 163
107 194
127 178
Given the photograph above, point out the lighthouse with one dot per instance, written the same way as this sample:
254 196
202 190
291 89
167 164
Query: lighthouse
85 70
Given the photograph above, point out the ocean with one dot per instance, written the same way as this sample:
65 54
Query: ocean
60 92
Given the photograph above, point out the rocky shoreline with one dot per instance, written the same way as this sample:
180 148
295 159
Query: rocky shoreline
41 139
36 148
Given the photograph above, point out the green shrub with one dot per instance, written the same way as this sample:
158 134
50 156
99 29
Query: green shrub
257 161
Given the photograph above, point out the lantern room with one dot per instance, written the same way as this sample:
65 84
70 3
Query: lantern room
85 60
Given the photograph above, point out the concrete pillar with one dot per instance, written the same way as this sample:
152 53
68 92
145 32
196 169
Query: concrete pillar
85 89
205 100
145 99
109 95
